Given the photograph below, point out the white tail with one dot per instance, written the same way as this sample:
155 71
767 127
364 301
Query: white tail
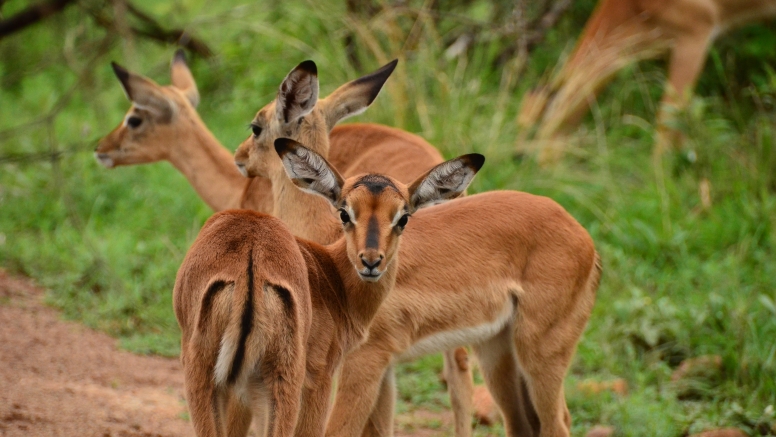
624 31
248 295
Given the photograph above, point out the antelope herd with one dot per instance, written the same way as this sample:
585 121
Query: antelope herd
300 277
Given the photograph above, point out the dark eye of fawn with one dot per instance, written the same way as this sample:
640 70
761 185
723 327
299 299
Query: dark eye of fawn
344 217
402 221
134 122
256 130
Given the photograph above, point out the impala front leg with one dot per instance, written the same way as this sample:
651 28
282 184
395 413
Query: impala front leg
380 422
357 395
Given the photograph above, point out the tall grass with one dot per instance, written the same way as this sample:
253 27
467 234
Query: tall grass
684 275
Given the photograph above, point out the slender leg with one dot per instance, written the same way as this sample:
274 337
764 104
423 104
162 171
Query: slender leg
207 404
285 392
359 387
380 422
686 62
499 366
460 387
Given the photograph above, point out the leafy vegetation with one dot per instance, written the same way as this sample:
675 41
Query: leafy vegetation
687 240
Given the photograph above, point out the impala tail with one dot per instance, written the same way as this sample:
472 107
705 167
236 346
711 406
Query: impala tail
231 354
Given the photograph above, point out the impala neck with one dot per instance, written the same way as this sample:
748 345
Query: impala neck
363 299
208 166
308 216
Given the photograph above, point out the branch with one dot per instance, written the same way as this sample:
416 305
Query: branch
151 29
31 15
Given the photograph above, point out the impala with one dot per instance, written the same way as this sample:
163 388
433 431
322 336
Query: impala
623 31
266 318
510 273
163 124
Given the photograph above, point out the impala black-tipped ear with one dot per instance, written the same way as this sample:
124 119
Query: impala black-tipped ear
123 75
308 170
298 93
144 93
182 78
444 182
354 97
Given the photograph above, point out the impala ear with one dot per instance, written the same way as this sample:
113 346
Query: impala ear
309 171
144 92
182 77
444 182
298 93
354 97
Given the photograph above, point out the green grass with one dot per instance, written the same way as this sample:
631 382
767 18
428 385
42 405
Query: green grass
679 280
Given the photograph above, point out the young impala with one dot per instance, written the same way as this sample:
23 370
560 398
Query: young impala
623 31
511 273
266 318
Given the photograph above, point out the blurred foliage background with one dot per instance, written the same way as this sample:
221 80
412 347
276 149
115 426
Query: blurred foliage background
682 279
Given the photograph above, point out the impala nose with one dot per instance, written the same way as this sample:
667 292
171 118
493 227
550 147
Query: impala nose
371 264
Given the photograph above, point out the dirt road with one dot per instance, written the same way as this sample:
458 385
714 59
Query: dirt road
58 378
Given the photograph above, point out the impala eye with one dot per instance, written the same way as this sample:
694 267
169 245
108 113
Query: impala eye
344 216
134 122
256 130
403 221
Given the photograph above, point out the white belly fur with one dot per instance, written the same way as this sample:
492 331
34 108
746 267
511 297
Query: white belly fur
460 337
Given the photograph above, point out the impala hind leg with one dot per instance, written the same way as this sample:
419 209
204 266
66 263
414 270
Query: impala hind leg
285 394
685 65
460 387
504 379
360 382
214 411
380 422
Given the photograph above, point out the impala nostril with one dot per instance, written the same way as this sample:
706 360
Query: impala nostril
371 264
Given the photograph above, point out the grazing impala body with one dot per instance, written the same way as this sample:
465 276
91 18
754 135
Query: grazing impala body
266 318
511 273
623 31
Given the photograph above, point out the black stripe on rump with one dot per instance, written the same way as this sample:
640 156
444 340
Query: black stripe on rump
207 302
246 324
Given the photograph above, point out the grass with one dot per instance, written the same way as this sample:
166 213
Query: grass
680 280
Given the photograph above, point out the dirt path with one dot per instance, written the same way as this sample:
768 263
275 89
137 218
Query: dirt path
58 378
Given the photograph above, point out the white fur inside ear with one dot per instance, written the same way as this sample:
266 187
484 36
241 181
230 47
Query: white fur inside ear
444 182
297 96
311 174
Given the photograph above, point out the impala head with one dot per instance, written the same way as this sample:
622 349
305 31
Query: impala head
374 209
152 124
297 113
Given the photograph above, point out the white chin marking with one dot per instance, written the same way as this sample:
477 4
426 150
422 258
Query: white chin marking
106 162
369 278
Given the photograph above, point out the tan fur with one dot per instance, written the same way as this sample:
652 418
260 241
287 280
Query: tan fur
504 256
354 149
294 308
624 31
